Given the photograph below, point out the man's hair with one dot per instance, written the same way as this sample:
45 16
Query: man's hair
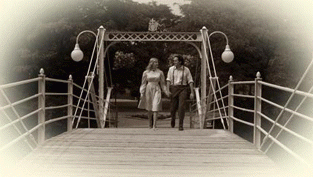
180 59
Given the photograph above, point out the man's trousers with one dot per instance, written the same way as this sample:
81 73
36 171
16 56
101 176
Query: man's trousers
178 103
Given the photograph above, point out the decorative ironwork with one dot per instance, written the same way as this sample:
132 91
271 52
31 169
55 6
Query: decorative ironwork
153 25
153 36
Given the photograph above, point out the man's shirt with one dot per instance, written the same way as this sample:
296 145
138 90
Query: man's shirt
175 76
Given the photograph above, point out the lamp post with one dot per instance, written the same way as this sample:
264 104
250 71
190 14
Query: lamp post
227 57
77 55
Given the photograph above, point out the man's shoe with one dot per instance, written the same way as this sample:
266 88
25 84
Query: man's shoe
172 124
180 128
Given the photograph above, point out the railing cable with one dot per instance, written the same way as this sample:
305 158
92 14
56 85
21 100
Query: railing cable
110 74
18 117
215 76
214 69
289 119
90 84
287 103
210 74
85 81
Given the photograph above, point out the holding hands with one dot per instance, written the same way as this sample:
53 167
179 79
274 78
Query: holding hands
167 93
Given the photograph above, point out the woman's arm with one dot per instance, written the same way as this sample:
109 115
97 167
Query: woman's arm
169 79
162 83
143 85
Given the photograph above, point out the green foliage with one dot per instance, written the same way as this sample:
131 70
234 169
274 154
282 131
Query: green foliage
250 38
122 60
257 39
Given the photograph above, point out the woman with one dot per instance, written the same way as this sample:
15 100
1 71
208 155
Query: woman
150 91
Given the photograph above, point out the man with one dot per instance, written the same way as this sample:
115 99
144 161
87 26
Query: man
178 79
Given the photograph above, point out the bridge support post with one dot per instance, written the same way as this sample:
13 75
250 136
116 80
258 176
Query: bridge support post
230 104
101 72
41 106
257 108
203 77
70 103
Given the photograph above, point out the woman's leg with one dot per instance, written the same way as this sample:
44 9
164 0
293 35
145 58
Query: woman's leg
155 117
150 119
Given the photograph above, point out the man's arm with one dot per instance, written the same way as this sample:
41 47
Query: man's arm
190 81
168 83
192 95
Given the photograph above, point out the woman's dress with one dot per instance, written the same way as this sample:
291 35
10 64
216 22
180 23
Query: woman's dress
151 84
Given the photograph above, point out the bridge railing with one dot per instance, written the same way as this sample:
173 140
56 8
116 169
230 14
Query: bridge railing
256 110
17 127
36 109
278 120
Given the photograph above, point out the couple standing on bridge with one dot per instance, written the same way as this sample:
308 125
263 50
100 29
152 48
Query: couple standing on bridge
176 87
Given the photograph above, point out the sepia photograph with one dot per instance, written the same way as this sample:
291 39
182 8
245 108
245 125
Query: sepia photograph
156 88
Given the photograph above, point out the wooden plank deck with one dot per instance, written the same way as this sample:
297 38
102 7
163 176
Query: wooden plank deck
145 152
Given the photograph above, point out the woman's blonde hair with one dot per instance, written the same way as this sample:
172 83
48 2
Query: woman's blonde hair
151 63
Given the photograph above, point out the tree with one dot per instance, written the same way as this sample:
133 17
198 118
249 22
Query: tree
250 38
262 40
255 37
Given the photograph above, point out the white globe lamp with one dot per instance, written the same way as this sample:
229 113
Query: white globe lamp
227 55
77 55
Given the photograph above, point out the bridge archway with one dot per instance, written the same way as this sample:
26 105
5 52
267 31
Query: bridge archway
199 40
195 39
192 38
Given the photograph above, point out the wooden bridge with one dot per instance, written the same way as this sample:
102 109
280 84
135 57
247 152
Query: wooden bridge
28 148
145 152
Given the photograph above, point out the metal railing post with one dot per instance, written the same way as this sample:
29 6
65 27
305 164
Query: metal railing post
204 67
70 103
257 108
230 104
41 105
101 73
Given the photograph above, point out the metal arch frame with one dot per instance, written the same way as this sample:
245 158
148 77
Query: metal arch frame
188 37
154 36
191 38
114 37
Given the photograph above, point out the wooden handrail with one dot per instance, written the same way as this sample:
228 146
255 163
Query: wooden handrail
57 80
302 93
20 101
20 119
19 83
